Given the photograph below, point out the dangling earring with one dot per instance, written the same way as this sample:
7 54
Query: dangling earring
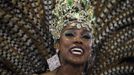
54 61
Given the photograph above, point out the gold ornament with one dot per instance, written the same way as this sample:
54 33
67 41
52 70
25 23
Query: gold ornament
67 10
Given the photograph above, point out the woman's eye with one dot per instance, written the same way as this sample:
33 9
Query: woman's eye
69 34
87 36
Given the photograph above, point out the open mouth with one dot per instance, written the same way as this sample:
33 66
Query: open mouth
77 51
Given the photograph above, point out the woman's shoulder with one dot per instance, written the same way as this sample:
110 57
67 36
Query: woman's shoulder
48 73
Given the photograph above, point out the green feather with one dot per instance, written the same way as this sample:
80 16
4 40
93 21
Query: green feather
85 3
70 2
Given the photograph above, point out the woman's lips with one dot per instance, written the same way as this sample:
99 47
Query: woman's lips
76 51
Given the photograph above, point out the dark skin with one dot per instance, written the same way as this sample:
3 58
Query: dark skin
72 64
75 47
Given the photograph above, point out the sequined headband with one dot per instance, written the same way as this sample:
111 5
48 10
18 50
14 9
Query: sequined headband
69 10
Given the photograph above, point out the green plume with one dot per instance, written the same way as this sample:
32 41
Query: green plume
70 2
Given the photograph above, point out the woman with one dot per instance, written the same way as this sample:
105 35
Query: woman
75 49
75 39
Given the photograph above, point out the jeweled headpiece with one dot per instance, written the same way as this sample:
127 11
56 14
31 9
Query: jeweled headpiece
66 11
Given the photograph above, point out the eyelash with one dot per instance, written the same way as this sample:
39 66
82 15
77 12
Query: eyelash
69 34
87 36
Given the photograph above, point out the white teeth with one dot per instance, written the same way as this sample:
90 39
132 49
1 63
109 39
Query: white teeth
77 51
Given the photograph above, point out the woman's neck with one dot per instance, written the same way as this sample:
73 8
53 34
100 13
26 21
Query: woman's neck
70 69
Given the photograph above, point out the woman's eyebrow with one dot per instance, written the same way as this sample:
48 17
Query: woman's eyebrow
71 29
87 31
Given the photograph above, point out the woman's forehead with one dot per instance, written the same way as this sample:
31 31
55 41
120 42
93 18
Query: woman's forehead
76 26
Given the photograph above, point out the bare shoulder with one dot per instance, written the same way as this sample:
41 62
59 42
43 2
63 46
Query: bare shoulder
48 73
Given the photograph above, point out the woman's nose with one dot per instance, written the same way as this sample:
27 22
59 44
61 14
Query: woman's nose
77 40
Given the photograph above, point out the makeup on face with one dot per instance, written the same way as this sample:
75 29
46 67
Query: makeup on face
72 32
75 43
83 35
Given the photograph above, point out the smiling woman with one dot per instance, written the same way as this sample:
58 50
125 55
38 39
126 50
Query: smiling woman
75 49
75 44
73 29
26 42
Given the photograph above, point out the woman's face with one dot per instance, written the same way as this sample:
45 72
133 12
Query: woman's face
75 45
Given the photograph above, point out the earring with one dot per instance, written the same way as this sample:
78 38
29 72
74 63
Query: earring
54 61
57 51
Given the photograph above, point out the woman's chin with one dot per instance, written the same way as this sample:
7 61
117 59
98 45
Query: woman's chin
76 61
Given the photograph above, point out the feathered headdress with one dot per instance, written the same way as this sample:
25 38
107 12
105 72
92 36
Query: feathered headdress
66 11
